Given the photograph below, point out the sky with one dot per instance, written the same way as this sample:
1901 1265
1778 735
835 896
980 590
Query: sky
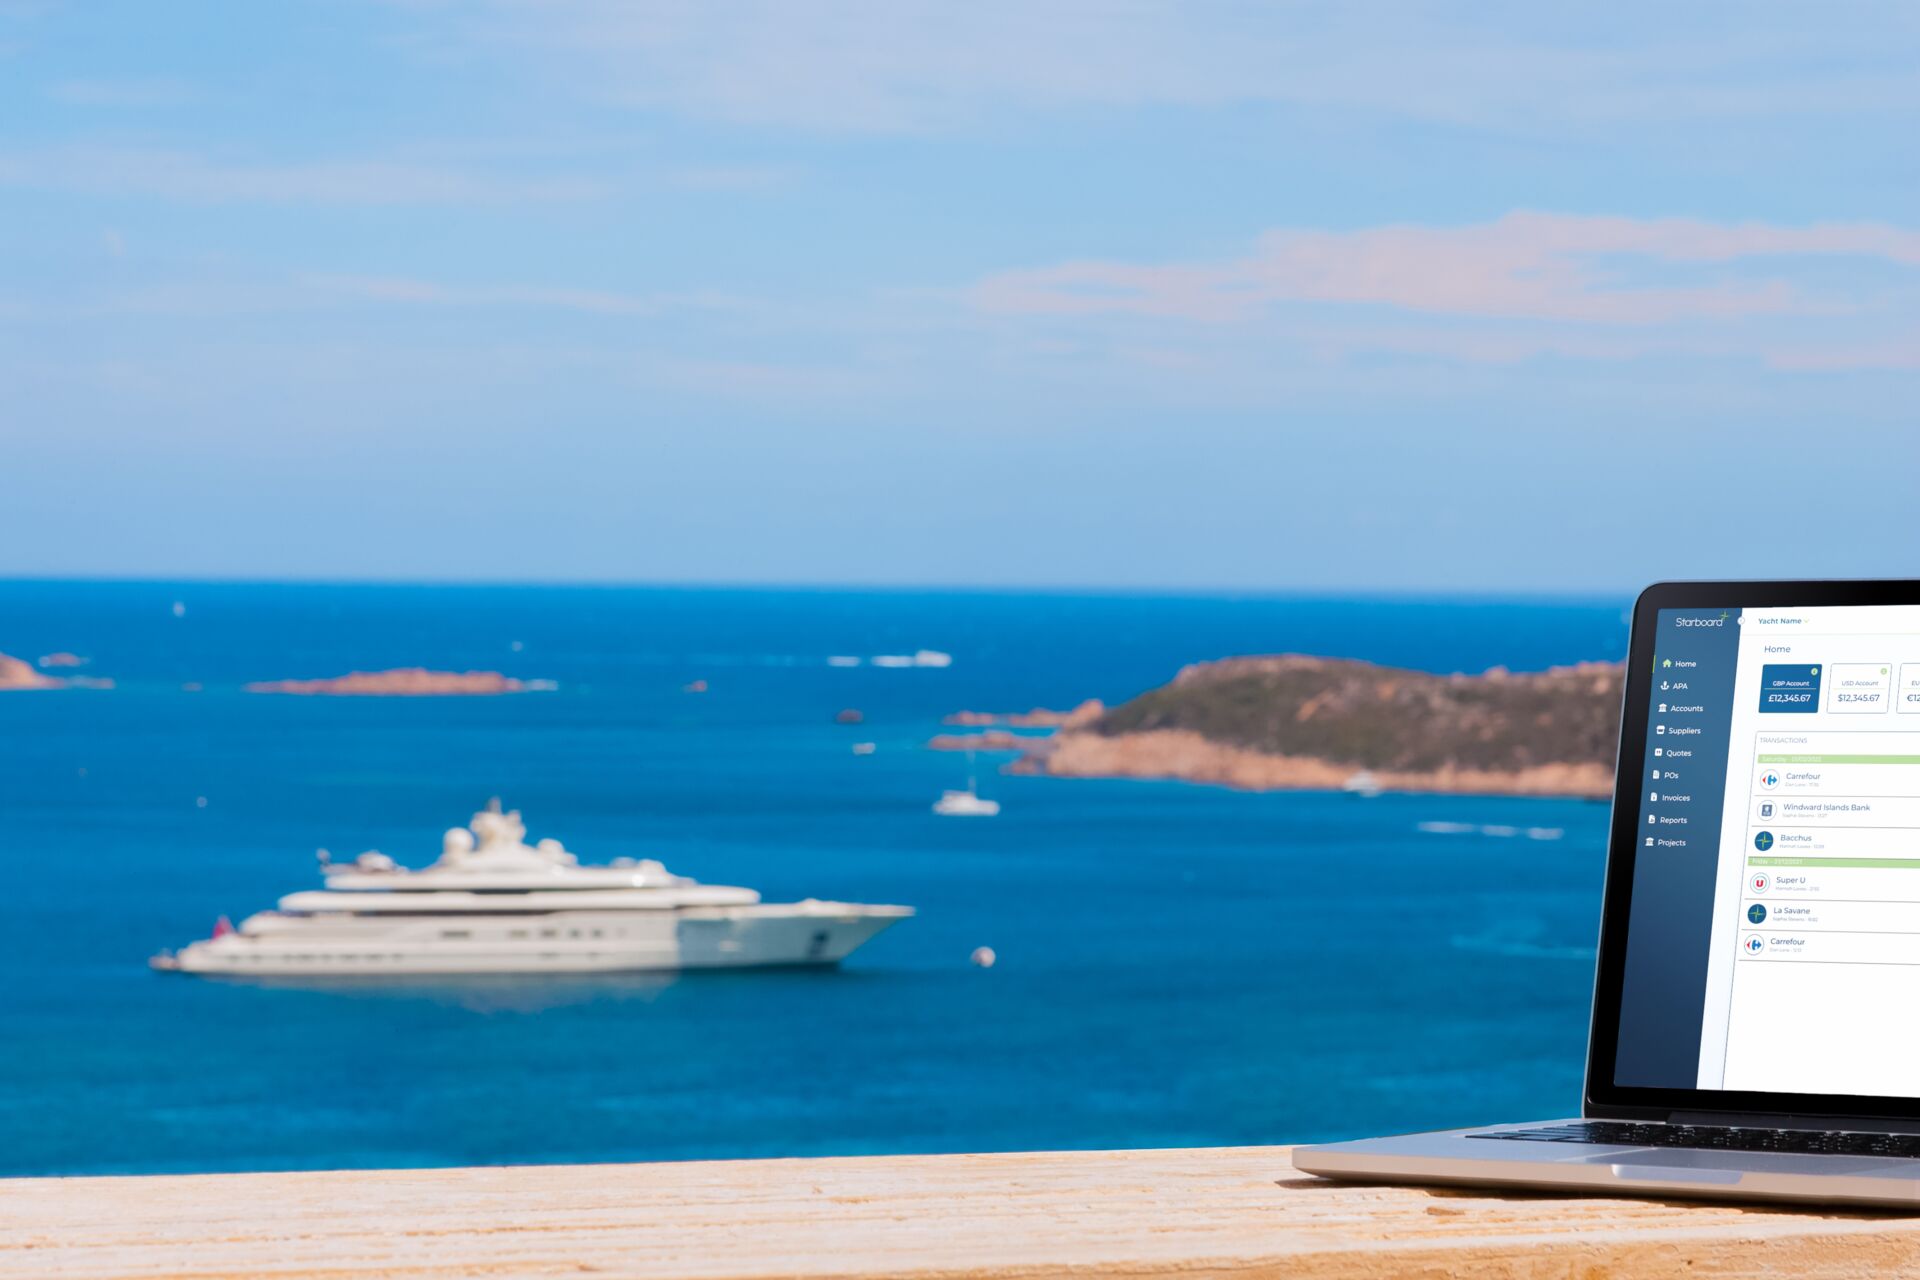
1348 297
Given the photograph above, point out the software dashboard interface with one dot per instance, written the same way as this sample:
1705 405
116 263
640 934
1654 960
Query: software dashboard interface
1773 939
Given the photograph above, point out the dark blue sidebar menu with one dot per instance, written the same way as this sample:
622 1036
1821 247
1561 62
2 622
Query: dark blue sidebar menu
1677 846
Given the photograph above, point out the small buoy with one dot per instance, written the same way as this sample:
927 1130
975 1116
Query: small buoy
179 608
848 715
695 686
516 646
983 957
199 802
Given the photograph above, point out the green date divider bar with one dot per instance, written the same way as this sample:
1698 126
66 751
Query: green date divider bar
1814 759
1898 864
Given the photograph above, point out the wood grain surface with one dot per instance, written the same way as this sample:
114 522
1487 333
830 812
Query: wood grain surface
1231 1212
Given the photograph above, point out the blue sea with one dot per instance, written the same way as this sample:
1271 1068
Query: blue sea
1178 964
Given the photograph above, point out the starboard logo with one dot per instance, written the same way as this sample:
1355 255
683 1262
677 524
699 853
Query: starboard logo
1720 621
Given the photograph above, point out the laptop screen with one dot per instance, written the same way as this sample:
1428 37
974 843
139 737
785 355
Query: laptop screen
1773 928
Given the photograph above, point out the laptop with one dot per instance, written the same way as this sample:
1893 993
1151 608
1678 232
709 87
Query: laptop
1756 1005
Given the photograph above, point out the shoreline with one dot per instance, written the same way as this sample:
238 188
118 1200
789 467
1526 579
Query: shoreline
1181 755
1296 722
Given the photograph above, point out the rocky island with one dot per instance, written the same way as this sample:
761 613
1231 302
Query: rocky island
402 682
1292 721
16 674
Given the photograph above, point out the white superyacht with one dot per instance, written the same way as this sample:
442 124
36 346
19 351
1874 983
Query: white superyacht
493 904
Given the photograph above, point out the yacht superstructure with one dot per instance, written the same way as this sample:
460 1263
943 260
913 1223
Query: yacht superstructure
493 904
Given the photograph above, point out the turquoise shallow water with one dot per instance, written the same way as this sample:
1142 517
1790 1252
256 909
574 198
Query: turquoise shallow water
1178 965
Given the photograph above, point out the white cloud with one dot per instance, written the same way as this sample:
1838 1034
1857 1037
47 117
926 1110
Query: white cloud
911 65
230 294
400 289
1899 352
729 178
144 92
194 178
1581 281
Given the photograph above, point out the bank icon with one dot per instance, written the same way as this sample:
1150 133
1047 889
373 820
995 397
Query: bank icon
1766 808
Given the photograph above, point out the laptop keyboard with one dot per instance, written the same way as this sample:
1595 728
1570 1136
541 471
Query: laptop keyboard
1717 1138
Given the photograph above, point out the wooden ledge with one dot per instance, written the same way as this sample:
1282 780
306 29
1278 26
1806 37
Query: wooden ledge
1241 1212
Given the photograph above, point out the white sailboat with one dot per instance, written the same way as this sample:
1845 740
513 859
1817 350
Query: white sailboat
968 803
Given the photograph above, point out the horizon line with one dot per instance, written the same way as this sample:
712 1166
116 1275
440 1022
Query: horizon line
1225 590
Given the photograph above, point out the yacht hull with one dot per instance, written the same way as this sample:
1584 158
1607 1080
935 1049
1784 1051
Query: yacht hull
811 933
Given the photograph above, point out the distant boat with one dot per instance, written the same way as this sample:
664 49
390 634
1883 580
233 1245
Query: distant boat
494 904
1362 784
965 804
918 658
863 748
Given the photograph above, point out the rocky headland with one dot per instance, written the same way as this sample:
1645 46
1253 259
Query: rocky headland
985 740
1297 722
995 738
402 682
1038 718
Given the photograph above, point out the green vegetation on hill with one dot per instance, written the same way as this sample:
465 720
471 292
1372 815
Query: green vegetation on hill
1372 717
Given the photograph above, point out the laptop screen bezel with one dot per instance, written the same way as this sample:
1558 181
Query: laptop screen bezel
1602 1097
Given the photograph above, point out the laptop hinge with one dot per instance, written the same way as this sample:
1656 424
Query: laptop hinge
1757 1120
